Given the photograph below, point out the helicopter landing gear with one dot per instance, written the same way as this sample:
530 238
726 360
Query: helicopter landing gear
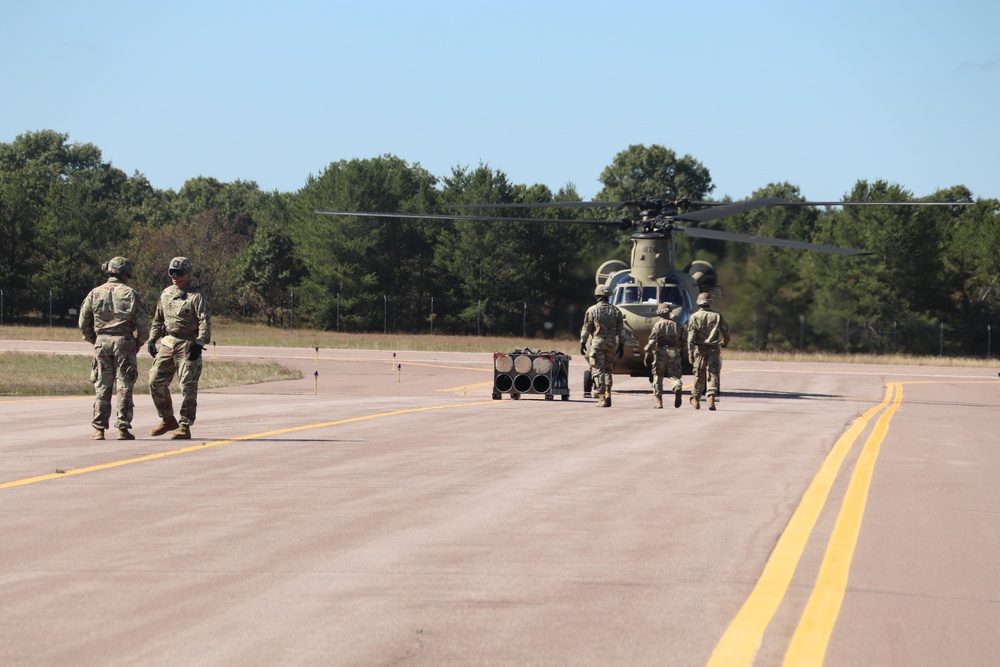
588 384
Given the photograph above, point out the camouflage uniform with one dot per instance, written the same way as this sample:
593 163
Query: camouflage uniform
707 334
606 326
665 342
114 319
182 320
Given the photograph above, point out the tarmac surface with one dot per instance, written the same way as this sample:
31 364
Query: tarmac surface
385 510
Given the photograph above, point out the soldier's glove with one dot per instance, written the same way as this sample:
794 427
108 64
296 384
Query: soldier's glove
621 350
151 348
194 353
583 349
648 359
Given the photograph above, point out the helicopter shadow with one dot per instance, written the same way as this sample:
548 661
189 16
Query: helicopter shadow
751 394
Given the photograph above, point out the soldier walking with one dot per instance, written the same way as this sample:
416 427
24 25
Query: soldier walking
606 326
708 334
114 319
663 354
183 325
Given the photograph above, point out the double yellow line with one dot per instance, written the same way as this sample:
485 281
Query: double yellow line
742 640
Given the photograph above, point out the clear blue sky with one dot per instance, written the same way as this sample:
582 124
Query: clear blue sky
816 94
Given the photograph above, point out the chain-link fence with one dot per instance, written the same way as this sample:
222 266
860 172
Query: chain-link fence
371 312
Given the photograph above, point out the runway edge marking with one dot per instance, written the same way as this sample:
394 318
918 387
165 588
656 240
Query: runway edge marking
216 443
742 639
812 636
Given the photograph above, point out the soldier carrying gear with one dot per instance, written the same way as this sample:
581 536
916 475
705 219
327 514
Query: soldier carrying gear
604 327
114 319
663 354
183 323
707 335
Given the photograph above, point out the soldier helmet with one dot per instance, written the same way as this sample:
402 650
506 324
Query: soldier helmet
179 266
118 266
601 290
665 309
704 299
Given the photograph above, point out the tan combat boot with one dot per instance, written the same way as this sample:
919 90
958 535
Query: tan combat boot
168 424
123 434
677 397
658 402
711 401
695 402
183 432
602 397
98 434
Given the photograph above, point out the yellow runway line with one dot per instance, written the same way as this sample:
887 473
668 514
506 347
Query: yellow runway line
192 448
743 637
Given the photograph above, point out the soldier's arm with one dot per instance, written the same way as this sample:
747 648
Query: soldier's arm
141 320
204 322
156 330
87 321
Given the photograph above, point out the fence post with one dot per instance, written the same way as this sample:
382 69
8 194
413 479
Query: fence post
802 333
847 336
432 314
989 341
338 312
385 314
941 342
479 307
755 332
50 309
524 321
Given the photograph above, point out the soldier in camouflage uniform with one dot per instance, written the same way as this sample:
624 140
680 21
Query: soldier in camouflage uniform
605 324
114 319
663 353
708 333
183 324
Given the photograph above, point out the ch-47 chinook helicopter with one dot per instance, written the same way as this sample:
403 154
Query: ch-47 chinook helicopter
653 276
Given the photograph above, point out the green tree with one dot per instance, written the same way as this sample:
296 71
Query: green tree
270 268
354 262
769 291
889 299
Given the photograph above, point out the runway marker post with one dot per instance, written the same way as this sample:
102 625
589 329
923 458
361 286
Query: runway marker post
315 382
399 372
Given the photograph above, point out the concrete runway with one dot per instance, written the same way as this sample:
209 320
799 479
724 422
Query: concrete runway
825 514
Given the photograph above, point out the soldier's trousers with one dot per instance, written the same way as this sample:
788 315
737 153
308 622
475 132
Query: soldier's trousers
707 365
114 364
602 360
172 359
667 365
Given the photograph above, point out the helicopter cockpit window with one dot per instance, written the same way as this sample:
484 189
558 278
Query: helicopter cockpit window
627 294
649 294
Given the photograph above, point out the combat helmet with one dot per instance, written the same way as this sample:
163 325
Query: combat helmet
601 290
704 299
180 266
118 267
665 309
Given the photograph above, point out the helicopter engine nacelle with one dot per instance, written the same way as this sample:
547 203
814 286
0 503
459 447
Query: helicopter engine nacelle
703 274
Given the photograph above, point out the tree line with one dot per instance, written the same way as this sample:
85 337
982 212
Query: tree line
64 211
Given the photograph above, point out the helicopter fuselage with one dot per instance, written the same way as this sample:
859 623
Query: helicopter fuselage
641 289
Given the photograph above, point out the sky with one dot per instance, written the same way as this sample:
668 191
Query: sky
819 95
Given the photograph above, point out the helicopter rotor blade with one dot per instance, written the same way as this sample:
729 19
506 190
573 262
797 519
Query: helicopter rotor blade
591 204
467 218
701 232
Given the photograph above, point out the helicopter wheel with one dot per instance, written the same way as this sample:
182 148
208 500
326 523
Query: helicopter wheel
588 382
